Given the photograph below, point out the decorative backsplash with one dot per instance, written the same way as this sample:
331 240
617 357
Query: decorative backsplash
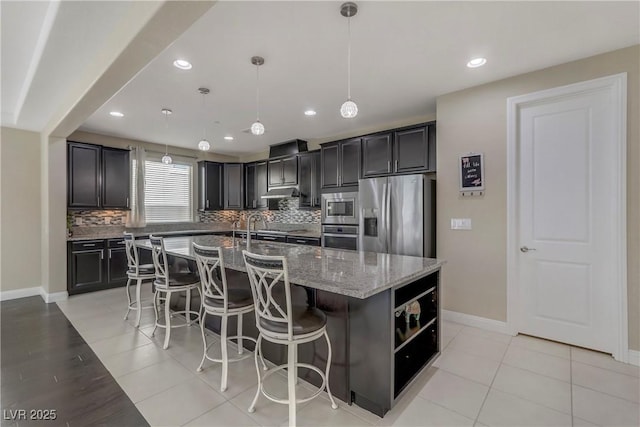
96 218
288 213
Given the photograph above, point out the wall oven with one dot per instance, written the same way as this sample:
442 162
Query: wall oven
340 208
340 236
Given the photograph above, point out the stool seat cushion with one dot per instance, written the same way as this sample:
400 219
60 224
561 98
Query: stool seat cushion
143 269
178 279
305 320
237 298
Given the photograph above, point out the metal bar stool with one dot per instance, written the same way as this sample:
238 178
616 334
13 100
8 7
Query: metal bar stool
284 325
168 284
137 272
219 300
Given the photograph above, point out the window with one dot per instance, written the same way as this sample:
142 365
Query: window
168 191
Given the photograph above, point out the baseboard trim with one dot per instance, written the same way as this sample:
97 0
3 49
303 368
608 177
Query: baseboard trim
20 293
53 297
475 321
634 357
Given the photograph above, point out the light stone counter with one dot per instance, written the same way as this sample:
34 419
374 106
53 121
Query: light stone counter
351 273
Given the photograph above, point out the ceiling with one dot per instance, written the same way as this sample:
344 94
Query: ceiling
404 55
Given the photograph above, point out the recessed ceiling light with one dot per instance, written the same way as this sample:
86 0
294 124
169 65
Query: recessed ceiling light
228 138
182 64
310 113
116 114
476 62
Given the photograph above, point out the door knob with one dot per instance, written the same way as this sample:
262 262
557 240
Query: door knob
526 249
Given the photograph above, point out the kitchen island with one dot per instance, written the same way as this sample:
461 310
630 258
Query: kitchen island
382 312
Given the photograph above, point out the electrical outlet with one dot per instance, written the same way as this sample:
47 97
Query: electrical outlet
79 221
461 223
107 220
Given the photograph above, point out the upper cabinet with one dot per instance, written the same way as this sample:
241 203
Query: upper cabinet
233 186
97 177
283 171
211 191
309 179
404 150
255 184
340 163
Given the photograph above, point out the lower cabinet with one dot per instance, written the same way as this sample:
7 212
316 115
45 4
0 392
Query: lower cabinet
96 264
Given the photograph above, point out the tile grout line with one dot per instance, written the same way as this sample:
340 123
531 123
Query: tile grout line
491 385
571 382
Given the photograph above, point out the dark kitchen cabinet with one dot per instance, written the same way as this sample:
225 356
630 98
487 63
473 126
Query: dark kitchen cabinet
97 177
309 179
283 172
405 150
83 175
255 184
341 163
96 264
377 154
233 186
115 178
415 149
308 241
211 190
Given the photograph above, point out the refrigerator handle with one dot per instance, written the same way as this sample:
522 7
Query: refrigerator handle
388 216
383 214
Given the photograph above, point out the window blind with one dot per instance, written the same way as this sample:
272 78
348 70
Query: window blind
168 191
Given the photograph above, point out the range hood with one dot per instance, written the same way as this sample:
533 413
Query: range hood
281 193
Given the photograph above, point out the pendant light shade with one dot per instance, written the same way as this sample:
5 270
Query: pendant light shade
204 144
257 128
349 109
166 159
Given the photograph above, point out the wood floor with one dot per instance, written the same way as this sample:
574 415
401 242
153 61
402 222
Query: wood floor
46 366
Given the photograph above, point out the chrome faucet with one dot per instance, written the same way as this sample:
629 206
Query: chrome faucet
235 224
249 218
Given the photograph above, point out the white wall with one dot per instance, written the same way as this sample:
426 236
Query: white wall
20 251
474 278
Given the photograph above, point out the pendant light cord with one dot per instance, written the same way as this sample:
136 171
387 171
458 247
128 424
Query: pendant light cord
166 128
204 110
257 92
349 59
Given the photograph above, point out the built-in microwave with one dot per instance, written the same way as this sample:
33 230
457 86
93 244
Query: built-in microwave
340 208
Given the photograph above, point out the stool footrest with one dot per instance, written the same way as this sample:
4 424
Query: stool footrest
273 370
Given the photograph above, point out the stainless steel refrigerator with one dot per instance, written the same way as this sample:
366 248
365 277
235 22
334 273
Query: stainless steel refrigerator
397 215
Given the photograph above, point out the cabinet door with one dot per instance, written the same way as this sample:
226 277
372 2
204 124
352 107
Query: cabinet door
306 187
290 171
210 179
261 185
233 195
250 186
87 267
315 180
411 150
350 162
329 161
115 178
83 162
431 130
376 155
117 266
275 173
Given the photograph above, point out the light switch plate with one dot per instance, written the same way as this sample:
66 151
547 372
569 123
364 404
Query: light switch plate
79 221
107 220
461 223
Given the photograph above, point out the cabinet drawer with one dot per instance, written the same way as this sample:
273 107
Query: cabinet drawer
310 241
87 245
115 243
271 238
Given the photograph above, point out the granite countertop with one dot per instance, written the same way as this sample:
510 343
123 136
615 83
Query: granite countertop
114 232
351 273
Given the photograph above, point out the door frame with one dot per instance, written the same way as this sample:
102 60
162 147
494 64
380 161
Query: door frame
617 86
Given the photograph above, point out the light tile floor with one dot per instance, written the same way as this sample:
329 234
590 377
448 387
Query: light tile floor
482 378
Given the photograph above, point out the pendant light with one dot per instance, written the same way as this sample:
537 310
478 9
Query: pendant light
349 109
166 159
257 128
204 145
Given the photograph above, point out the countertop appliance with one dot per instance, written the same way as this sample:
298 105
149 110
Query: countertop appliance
340 208
340 236
397 215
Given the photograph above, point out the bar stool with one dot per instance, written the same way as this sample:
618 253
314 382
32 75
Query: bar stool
169 283
286 325
137 272
219 300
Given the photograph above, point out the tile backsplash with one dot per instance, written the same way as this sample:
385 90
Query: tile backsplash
288 213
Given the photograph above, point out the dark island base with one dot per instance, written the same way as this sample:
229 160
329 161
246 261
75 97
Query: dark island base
371 362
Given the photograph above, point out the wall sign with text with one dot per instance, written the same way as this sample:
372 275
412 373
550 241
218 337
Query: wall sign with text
472 172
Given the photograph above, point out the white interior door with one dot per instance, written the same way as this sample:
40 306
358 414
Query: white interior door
567 221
